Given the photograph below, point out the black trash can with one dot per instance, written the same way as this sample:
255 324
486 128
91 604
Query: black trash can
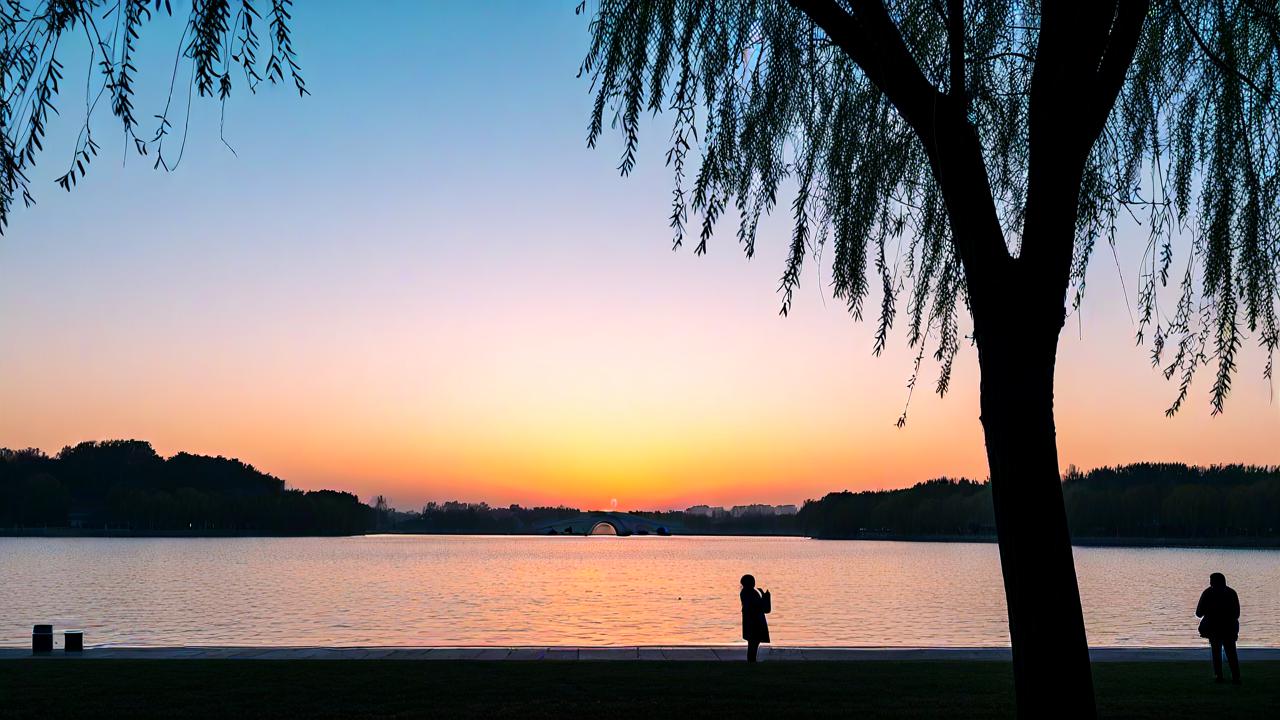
73 641
42 639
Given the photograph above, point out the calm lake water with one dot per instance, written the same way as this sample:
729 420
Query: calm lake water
433 590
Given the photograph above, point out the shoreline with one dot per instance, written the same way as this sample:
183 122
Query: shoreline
1226 543
641 653
120 533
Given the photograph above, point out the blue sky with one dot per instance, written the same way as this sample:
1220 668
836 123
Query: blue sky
419 281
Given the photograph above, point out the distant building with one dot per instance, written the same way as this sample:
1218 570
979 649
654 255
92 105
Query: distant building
762 510
740 511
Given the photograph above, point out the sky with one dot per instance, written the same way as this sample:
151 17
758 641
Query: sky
419 282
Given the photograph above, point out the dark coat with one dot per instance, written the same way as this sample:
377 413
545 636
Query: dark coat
754 607
1220 608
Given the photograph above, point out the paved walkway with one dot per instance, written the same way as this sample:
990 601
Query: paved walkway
684 653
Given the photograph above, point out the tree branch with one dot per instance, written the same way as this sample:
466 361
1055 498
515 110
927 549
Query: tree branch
1126 30
955 46
1081 63
871 39
996 56
886 63
1213 57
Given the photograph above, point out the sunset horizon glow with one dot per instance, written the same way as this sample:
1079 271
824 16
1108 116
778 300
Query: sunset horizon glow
419 282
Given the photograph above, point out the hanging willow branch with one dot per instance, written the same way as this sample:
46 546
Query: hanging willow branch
218 35
761 95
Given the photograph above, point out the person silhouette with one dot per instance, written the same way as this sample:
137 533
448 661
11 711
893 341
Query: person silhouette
755 605
1219 613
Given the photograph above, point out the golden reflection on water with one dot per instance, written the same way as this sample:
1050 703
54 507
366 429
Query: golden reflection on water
463 590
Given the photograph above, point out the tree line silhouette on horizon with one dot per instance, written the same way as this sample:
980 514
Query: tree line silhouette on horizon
125 485
460 517
1137 501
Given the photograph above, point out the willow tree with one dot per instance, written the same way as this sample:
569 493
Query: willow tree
969 156
223 44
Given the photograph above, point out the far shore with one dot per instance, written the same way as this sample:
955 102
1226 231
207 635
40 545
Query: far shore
1133 542
1118 542
126 533
638 653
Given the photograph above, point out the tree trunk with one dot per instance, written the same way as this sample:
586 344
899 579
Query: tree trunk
1016 351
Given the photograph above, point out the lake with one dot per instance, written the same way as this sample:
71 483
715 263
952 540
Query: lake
531 590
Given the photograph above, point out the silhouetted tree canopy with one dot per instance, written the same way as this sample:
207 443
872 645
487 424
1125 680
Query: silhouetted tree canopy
223 43
467 517
454 516
1188 145
126 485
1139 501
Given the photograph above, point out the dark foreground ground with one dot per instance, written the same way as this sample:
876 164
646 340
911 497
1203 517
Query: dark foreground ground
372 688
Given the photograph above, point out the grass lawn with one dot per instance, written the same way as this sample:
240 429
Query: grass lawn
597 691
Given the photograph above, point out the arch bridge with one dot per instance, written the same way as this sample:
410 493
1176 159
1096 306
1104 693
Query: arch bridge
607 524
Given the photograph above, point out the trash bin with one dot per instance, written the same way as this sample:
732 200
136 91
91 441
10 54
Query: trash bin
73 641
41 639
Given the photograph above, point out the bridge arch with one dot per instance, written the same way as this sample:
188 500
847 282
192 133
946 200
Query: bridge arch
604 527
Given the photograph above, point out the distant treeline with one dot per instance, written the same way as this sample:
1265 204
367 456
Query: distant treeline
937 507
125 485
470 518
695 524
480 518
1170 500
1144 500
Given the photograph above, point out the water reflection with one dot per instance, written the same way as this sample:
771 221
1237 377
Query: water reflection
400 590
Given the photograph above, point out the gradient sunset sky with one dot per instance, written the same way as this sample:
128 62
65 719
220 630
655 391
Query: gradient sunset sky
419 281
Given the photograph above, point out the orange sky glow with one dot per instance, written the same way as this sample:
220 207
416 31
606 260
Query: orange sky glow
475 308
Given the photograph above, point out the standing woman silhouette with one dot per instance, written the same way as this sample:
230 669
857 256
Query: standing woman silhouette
1219 610
755 605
